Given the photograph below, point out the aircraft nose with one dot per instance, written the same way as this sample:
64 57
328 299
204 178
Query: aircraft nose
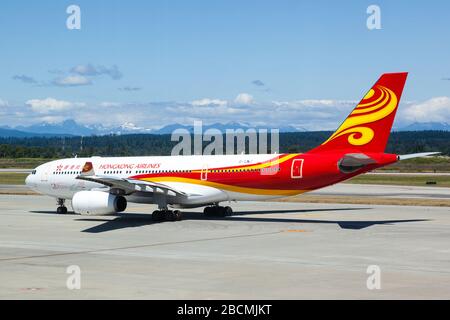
28 179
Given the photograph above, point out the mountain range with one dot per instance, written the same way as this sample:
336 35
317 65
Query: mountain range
71 128
423 126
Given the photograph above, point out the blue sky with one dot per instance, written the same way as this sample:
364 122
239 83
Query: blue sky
157 62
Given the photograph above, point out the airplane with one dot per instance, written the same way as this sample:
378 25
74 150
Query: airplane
105 185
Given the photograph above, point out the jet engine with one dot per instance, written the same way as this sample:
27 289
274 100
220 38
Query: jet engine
97 203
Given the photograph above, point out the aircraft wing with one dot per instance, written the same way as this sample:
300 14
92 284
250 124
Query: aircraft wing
124 185
128 186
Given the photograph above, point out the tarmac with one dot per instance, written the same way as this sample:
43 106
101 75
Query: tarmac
383 191
15 170
341 189
267 250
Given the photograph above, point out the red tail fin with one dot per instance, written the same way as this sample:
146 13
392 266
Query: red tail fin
368 127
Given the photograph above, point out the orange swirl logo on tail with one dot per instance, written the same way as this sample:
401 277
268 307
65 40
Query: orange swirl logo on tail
378 103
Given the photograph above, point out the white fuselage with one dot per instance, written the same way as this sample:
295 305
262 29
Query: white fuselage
58 178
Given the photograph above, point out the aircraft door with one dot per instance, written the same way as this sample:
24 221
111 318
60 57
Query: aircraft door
297 168
44 174
204 173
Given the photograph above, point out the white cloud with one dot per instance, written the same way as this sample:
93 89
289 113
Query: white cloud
93 71
72 81
51 105
24 78
87 69
244 98
52 119
433 110
80 75
317 103
130 89
310 114
3 103
204 111
319 114
207 102
107 104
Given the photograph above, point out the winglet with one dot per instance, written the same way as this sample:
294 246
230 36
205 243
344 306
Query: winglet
88 169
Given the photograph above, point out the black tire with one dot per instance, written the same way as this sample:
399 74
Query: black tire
63 210
207 211
170 216
59 210
228 211
220 212
177 215
156 215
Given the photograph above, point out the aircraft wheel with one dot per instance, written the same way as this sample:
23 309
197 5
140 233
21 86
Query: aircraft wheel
220 212
228 211
170 216
177 215
157 215
61 210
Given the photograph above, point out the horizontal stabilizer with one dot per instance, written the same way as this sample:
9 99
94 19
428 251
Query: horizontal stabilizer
416 155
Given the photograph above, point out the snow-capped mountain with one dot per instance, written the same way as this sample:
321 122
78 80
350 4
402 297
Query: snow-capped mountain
67 127
422 126
222 127
72 128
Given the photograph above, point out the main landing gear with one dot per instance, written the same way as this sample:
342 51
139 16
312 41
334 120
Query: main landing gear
62 209
167 215
218 211
164 214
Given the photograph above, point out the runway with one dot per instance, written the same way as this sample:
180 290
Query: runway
383 191
15 170
341 189
268 250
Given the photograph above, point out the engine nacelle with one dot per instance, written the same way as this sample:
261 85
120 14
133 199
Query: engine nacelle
97 203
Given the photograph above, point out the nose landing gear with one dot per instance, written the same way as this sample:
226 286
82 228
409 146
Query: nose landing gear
62 209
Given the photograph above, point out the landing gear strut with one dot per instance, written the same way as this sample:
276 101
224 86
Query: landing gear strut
218 211
167 215
62 209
